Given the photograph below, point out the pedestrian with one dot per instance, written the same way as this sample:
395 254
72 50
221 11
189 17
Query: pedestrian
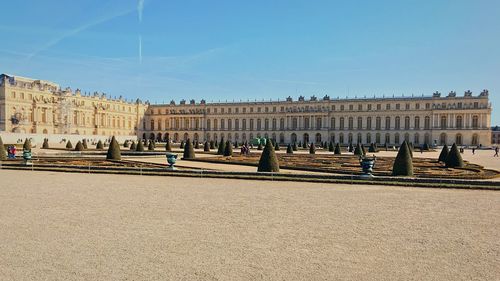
496 152
473 150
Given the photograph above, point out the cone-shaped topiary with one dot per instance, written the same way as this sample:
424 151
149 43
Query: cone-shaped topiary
294 146
454 159
3 151
206 146
133 146
331 147
443 154
140 146
45 144
403 165
236 144
79 146
151 146
222 147
196 145
358 150
363 149
304 145
188 150
228 149
351 147
372 148
410 148
425 147
212 144
337 149
69 145
99 145
182 144
289 149
27 145
216 144
312 148
85 144
168 147
259 147
126 144
268 161
300 144
277 146
114 152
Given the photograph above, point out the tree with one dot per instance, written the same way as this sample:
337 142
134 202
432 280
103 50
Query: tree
27 145
168 146
410 148
3 151
85 144
386 146
331 148
425 147
372 148
69 145
196 145
351 147
454 159
132 146
403 165
358 150
228 149
222 147
277 146
151 145
114 152
182 144
304 145
268 161
337 149
126 144
443 154
312 149
289 149
45 144
294 146
99 145
79 146
212 144
206 146
216 144
300 144
259 147
188 150
140 146
363 149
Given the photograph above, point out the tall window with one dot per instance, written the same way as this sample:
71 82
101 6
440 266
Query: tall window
341 123
369 123
397 123
332 123
444 120
237 124
282 124
417 123
360 123
475 122
251 126
378 123
427 123
407 123
266 124
244 124
387 123
294 123
274 124
459 123
318 123
351 125
306 123
229 124
259 124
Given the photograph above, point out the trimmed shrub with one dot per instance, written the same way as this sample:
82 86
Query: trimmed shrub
294 146
363 149
259 147
372 148
126 144
403 165
277 146
168 146
312 148
3 151
300 144
235 144
268 161
425 147
133 146
114 152
337 149
212 144
216 144
331 147
45 144
443 154
410 148
206 146
289 149
182 144
454 159
99 145
151 146
140 146
351 148
228 149
85 144
304 145
196 145
27 145
222 147
69 145
358 150
79 146
188 150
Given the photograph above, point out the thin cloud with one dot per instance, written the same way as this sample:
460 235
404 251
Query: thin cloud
140 8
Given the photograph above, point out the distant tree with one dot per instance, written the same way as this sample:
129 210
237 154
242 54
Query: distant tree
79 146
45 144
168 146
222 147
312 148
289 149
268 161
206 146
304 145
443 154
331 148
114 152
351 147
182 144
151 146
196 145
85 144
140 146
276 146
358 150
337 149
69 145
454 159
99 145
403 165
188 150
132 146
372 148
228 149
294 146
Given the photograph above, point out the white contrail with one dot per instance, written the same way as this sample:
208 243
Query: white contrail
140 49
140 7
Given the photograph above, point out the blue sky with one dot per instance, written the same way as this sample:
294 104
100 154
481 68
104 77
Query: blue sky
224 50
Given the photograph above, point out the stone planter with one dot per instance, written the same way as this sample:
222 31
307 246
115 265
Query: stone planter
367 165
171 159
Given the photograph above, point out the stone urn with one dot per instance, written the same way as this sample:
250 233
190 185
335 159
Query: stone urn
27 157
367 165
171 159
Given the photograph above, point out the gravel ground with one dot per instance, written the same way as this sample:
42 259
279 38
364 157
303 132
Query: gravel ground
56 226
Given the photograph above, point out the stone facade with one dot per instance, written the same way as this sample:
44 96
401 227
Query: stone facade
495 135
435 119
40 107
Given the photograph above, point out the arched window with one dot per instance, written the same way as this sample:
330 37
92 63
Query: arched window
377 138
318 138
341 138
244 124
475 139
282 138
306 123
274 124
368 138
332 123
318 123
397 123
332 138
266 124
444 121
459 122
387 138
417 123
305 138
396 138
407 137
407 122
259 124
360 123
237 124
378 123
416 139
216 124
341 123
475 122
427 138
458 139
351 123
360 139
294 138
229 124
387 123
349 138
427 123
368 123
282 124
442 139
294 123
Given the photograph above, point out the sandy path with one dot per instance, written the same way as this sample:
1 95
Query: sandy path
56 226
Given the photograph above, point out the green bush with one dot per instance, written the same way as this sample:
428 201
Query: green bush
358 150
277 146
151 146
425 147
126 144
140 146
363 149
443 154
259 147
268 161
289 149
114 152
222 147
79 146
182 145
300 144
403 165
168 146
331 147
337 149
351 147
294 146
454 159
99 145
3 151
372 148
45 144
312 149
133 146
228 149
304 145
212 144
206 147
188 150
69 145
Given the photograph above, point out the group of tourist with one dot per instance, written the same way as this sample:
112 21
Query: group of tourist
245 150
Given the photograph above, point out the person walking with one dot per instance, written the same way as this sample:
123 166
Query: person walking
473 150
496 152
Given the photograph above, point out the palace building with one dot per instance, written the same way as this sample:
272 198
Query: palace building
435 119
41 107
